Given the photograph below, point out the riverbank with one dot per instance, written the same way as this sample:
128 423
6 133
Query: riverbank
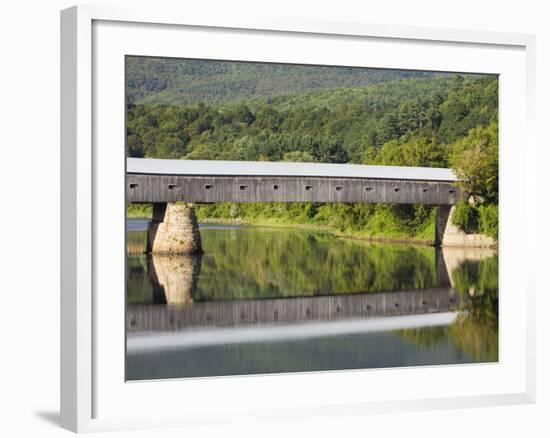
369 223
317 227
145 214
366 222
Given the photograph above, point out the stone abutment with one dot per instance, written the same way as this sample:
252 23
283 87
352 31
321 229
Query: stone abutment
448 234
173 230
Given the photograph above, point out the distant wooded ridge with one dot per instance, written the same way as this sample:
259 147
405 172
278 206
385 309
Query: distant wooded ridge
168 81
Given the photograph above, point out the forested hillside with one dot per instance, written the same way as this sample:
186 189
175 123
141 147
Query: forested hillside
427 120
168 81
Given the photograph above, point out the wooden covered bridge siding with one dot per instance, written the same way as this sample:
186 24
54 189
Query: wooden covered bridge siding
163 181
174 229
213 188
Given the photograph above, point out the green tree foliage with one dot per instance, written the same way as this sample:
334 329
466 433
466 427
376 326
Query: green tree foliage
397 123
475 159
481 218
298 157
488 220
466 217
416 151
469 105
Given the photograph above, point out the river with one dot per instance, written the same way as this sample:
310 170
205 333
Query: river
271 300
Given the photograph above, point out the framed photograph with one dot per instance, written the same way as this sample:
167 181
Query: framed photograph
291 218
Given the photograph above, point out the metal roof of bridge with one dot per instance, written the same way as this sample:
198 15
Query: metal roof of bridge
277 168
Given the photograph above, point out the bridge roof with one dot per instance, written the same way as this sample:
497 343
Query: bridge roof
274 168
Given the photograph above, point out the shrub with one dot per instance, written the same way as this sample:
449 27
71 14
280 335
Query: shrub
465 217
139 210
234 211
488 220
480 219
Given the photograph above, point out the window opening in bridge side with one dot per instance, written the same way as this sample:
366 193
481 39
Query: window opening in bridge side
308 187
338 188
243 187
368 189
172 186
397 189
275 187
208 186
133 185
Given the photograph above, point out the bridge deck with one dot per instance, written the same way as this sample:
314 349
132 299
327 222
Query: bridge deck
151 180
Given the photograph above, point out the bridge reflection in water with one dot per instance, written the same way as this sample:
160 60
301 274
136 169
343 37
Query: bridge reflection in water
177 328
174 281
151 317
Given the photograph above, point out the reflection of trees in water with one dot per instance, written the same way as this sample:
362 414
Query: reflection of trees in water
136 242
251 263
264 263
425 337
476 276
138 286
475 331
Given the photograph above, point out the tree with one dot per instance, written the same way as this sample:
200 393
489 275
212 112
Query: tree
134 147
423 152
298 157
475 160
171 146
268 118
242 114
329 152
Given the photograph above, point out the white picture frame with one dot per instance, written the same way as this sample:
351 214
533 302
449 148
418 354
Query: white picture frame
92 395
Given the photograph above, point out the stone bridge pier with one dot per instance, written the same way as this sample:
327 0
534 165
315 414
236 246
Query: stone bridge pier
173 229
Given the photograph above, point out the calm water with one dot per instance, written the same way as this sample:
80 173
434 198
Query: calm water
267 300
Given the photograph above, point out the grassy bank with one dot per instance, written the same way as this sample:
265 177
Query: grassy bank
306 226
403 223
139 211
